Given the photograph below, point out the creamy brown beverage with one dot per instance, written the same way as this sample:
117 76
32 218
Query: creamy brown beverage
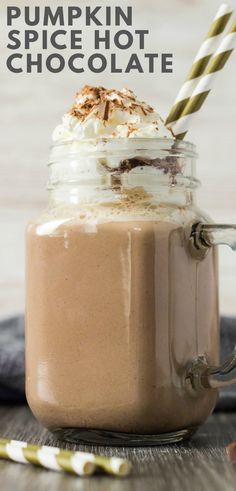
135 309
116 304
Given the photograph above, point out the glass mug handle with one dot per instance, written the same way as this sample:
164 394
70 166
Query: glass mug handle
200 374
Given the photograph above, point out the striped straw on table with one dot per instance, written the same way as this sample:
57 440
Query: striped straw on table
204 54
181 126
79 463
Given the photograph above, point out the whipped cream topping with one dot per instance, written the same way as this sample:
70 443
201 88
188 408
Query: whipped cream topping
101 113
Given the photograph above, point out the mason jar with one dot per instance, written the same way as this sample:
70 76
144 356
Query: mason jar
122 324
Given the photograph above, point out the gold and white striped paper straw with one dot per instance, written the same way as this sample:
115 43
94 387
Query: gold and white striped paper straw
204 86
200 62
79 463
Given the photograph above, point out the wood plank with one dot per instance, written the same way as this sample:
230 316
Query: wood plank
200 464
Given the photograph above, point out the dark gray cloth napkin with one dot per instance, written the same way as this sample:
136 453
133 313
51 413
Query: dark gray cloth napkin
12 369
12 362
227 396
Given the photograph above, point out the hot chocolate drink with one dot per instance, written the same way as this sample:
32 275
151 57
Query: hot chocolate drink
136 308
116 305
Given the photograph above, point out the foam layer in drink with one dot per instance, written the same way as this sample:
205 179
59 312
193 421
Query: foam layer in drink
111 186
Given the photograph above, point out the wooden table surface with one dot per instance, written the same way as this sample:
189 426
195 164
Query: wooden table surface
200 464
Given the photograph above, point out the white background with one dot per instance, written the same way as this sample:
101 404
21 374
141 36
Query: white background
31 105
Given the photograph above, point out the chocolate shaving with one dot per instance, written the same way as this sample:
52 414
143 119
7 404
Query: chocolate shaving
106 111
102 102
143 110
